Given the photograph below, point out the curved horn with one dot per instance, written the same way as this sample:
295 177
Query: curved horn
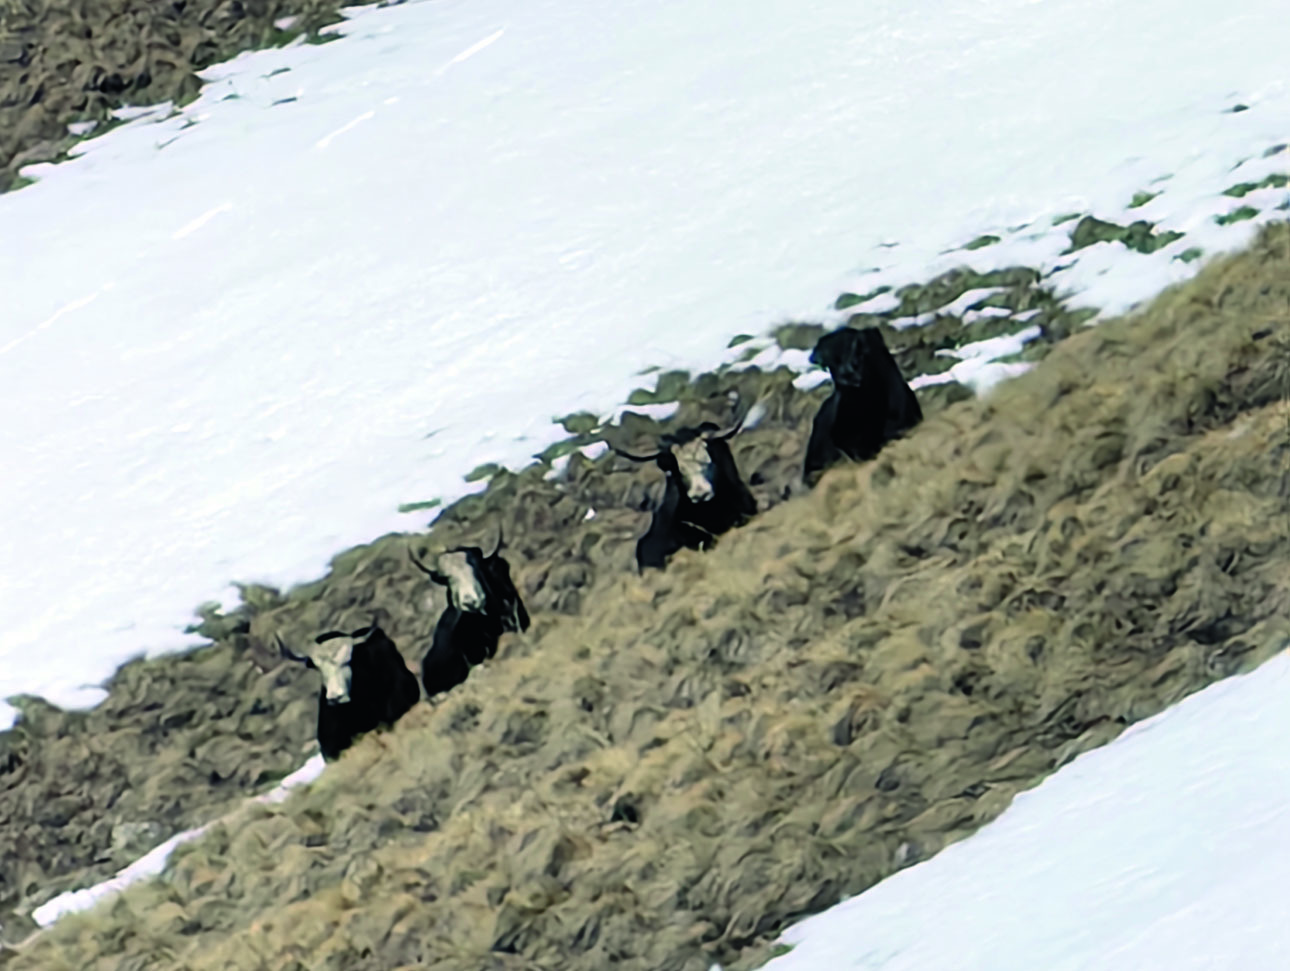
434 575
367 631
287 652
418 564
637 458
739 424
421 566
498 548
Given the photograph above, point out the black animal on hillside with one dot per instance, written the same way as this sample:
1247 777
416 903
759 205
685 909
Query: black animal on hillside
703 493
483 604
366 684
871 402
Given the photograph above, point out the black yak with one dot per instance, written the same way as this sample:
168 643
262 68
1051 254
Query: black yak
366 684
703 493
871 403
483 604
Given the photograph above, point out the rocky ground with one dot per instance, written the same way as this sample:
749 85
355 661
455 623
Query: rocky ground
668 769
182 738
75 61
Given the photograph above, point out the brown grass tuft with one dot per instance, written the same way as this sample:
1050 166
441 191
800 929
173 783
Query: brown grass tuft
859 677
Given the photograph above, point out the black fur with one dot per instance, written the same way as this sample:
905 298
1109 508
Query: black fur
464 638
681 523
381 691
871 402
445 665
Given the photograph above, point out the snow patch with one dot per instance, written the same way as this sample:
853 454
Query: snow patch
153 862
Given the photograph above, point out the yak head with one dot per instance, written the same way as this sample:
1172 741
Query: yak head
851 354
464 570
687 456
330 656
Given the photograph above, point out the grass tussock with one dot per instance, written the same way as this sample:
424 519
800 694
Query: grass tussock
181 739
66 61
857 678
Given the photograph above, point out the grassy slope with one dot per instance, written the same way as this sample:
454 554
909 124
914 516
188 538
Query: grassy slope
183 738
860 676
64 61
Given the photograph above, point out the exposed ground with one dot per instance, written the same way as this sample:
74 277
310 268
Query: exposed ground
668 769
181 739
836 664
75 61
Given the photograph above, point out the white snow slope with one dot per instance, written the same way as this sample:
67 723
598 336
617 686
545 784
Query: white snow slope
154 861
1166 850
233 339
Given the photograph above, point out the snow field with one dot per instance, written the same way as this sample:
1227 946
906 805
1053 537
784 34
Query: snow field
348 274
241 334
1163 850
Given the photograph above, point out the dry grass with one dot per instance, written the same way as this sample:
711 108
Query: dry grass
855 679
182 739
63 61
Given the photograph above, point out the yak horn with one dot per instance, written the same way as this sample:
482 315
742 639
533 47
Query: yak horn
366 631
287 652
636 458
738 425
419 565
434 575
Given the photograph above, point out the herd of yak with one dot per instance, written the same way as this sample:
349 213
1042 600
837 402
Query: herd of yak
366 684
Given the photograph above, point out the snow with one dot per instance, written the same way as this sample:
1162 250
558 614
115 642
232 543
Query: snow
153 862
992 347
969 299
243 333
1165 850
237 336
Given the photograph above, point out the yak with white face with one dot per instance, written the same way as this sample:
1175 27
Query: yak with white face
366 684
483 604
696 468
703 494
871 402
331 659
465 590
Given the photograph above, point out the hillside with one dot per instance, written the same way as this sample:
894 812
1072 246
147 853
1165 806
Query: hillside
65 63
668 769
